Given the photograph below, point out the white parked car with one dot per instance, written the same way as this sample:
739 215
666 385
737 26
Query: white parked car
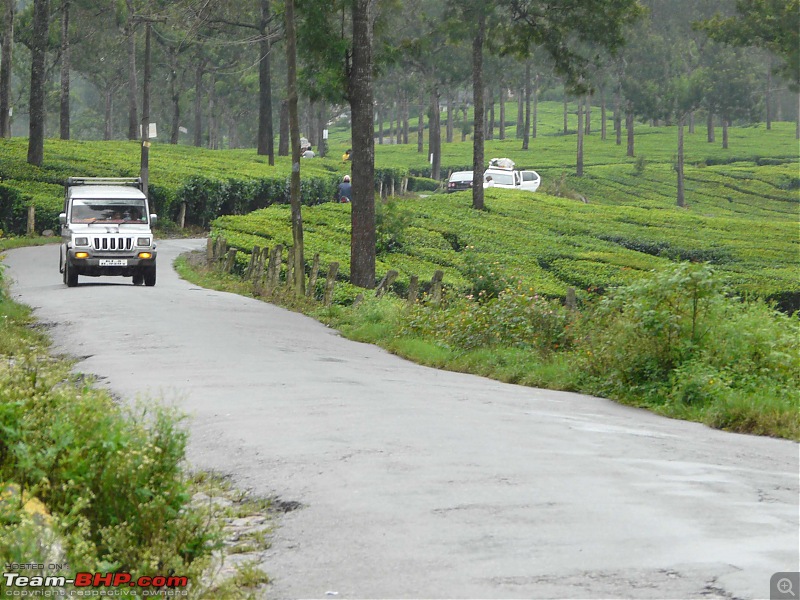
503 174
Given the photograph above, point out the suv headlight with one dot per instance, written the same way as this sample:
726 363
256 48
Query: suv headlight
81 241
143 241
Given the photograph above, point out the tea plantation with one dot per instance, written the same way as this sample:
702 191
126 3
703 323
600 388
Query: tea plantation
604 229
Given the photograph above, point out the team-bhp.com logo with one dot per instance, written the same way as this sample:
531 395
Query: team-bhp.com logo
89 584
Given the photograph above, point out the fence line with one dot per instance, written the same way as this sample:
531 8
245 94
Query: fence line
264 270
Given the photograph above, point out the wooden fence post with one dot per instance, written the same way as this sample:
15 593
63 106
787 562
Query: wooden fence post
248 272
312 277
230 260
274 268
220 248
387 281
209 250
258 275
413 289
31 228
436 287
290 267
182 216
330 281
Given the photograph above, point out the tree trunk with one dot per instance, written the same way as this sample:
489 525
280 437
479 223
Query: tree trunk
535 115
449 117
174 95
725 125
266 138
144 170
526 134
65 66
391 124
691 122
435 134
501 134
579 160
710 127
421 122
41 16
679 166
298 269
362 241
490 128
618 117
405 117
477 99
603 125
629 126
133 92
566 114
6 51
768 99
520 112
213 130
198 107
380 125
107 114
322 143
588 114
283 140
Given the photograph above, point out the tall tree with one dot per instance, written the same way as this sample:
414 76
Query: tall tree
337 37
477 103
41 18
294 128
266 137
129 33
65 68
6 51
359 93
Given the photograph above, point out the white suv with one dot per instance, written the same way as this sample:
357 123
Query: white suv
106 230
504 174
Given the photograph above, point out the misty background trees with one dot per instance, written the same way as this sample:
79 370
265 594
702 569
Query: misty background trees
219 69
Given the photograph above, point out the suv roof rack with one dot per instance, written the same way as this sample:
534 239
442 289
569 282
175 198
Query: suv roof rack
126 181
501 163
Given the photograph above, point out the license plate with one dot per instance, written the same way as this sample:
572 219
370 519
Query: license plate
113 262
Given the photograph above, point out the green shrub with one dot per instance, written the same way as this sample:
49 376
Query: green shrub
679 337
517 318
113 477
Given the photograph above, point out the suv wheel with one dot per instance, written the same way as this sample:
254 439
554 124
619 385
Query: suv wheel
150 276
138 278
70 274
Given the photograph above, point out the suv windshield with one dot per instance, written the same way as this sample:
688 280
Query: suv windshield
109 211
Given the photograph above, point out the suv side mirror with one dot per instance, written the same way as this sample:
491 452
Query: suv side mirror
62 218
153 218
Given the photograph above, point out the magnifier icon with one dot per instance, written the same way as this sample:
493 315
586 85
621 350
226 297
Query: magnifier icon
785 587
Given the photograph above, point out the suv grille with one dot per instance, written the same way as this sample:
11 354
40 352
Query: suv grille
113 243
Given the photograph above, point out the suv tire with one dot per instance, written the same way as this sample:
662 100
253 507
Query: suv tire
70 274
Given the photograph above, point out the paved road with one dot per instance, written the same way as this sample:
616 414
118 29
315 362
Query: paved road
422 483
